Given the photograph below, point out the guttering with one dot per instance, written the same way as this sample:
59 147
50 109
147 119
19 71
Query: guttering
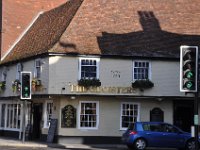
116 56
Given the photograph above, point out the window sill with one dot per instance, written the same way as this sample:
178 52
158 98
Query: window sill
86 129
122 129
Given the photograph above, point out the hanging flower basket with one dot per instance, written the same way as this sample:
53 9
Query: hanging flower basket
16 85
2 85
142 84
89 82
35 83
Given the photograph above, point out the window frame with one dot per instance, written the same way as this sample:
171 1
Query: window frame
37 68
149 68
19 69
8 119
89 58
4 74
121 113
97 115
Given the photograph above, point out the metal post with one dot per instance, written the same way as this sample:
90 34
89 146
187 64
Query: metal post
24 120
196 122
196 108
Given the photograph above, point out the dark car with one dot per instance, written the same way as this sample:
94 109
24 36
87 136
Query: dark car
140 135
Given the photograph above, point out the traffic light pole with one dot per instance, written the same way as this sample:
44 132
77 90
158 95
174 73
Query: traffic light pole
24 120
189 78
196 122
196 110
24 96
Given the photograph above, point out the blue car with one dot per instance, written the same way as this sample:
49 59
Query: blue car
140 135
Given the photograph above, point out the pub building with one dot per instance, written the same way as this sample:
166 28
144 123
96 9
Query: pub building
95 67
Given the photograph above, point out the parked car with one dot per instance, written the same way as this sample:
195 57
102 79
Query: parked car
140 135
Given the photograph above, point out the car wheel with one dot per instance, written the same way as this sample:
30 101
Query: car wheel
140 144
190 145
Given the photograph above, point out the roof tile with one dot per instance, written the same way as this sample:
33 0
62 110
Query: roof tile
45 32
146 28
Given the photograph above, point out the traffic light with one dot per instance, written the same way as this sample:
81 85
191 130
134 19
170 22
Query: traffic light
188 68
25 85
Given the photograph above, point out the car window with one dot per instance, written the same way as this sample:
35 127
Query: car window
152 127
146 127
169 128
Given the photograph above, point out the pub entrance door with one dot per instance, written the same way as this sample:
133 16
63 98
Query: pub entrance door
183 114
37 120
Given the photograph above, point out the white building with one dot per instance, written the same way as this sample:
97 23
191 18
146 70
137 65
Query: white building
107 44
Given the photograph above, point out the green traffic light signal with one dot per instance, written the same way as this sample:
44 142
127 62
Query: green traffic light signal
26 88
26 95
26 91
189 85
188 68
25 85
190 74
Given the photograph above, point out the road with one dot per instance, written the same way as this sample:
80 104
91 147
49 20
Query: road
72 148
48 148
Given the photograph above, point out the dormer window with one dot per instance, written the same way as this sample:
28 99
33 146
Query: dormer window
19 70
37 70
89 68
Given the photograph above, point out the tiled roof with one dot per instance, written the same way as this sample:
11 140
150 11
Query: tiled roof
148 28
17 15
45 32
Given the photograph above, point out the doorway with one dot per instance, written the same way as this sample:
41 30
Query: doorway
183 114
37 120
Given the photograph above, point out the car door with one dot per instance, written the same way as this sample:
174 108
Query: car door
171 136
153 134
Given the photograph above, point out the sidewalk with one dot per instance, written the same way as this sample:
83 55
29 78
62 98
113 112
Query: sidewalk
18 143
